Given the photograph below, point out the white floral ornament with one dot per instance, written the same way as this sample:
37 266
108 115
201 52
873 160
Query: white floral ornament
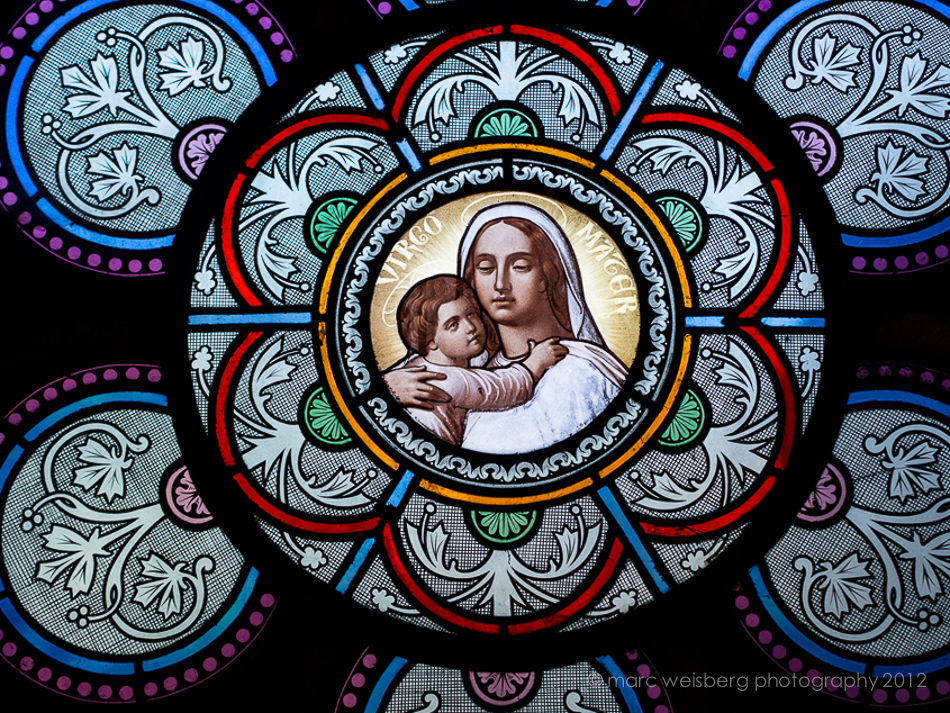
201 359
327 92
312 558
689 90
79 553
909 470
205 281
829 62
842 587
100 91
382 599
620 54
807 282
162 586
929 558
625 601
395 54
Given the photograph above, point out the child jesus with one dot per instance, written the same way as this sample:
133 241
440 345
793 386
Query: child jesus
440 321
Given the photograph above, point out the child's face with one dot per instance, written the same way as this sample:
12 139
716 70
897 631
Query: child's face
460 333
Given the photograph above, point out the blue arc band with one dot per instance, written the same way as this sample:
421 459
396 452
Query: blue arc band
92 236
620 682
383 684
792 632
776 26
133 397
213 633
9 464
355 565
897 241
13 144
55 652
900 397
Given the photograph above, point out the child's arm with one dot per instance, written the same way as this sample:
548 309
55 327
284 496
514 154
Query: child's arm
490 389
506 387
544 355
413 387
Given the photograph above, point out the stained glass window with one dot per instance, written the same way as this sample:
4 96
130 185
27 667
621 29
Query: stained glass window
484 355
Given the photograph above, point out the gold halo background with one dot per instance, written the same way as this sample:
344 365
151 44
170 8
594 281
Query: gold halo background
434 254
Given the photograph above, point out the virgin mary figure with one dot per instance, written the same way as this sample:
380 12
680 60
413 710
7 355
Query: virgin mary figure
525 275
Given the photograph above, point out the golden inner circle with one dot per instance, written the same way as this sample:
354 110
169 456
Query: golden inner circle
431 247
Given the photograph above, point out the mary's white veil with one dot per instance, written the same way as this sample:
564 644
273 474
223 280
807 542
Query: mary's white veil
582 321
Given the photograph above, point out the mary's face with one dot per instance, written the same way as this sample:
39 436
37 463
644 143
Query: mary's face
508 277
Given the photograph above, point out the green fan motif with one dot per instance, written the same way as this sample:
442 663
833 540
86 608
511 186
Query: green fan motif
687 423
322 423
327 220
505 122
503 527
687 220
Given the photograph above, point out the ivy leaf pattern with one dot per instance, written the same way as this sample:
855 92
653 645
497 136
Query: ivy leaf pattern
80 554
909 472
118 172
348 152
184 64
829 65
100 91
162 585
842 588
896 171
915 89
929 558
106 469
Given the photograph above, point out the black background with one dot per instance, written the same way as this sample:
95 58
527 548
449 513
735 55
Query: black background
57 319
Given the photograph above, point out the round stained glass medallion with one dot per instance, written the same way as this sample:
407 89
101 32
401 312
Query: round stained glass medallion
857 585
112 115
862 87
506 330
118 583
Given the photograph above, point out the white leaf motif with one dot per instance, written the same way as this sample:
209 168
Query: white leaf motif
163 583
184 64
118 172
842 588
98 92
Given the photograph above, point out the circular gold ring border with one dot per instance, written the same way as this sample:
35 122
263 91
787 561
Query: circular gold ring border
492 500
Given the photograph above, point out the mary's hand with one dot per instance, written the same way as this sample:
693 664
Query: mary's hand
413 387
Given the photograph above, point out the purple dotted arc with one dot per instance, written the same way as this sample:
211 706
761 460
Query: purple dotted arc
267 21
36 401
882 265
92 261
739 31
356 680
927 377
